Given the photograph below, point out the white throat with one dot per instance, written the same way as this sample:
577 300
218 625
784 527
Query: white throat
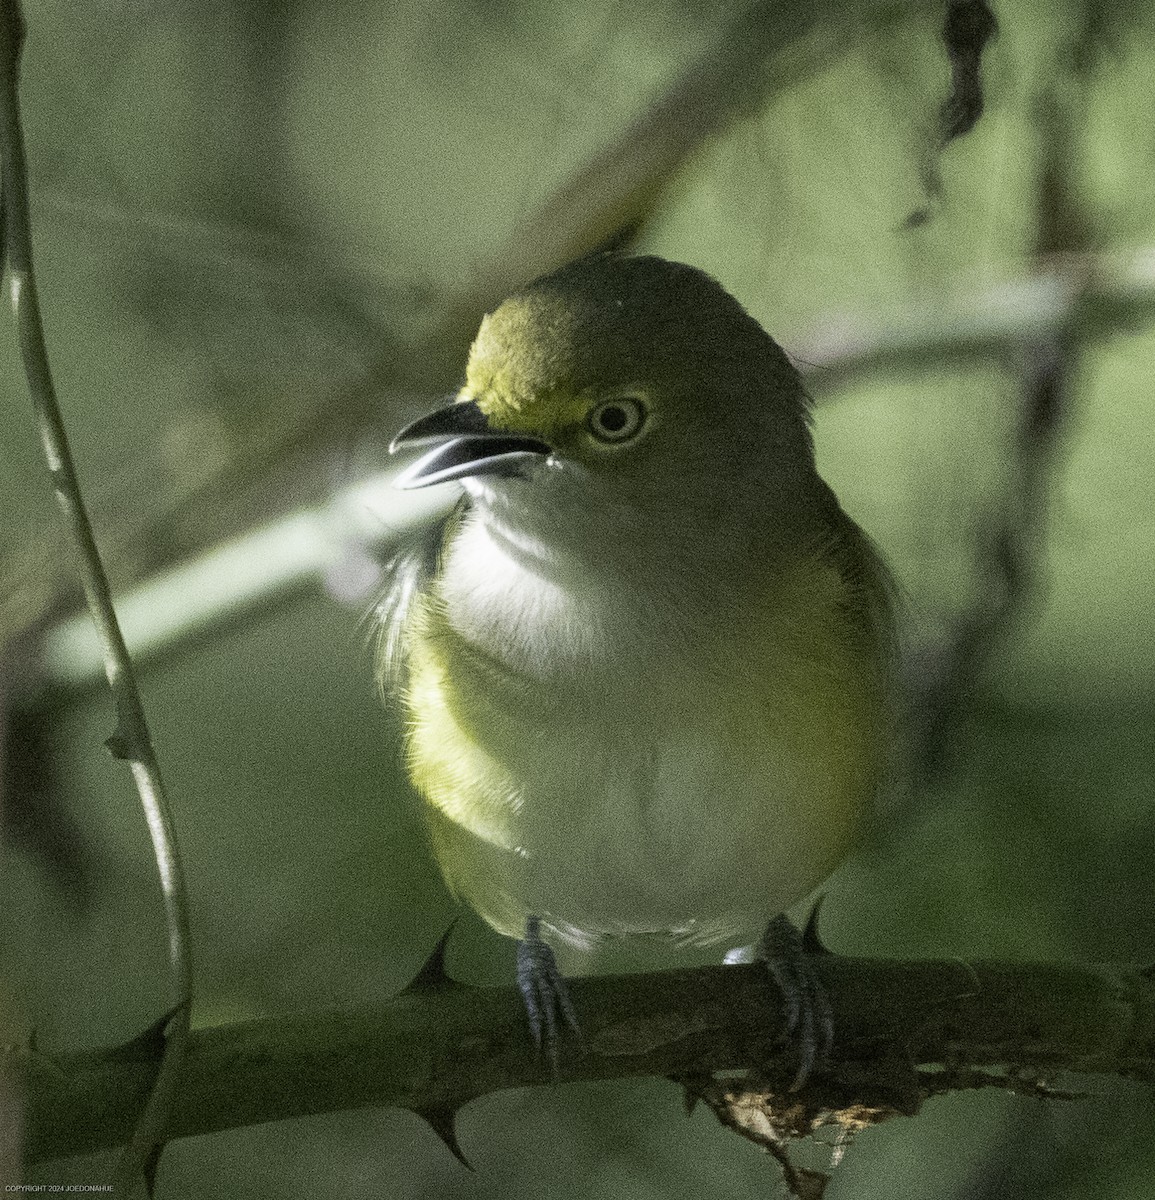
519 601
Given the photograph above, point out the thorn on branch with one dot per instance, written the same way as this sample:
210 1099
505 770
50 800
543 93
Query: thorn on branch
441 1121
432 975
693 1088
117 745
149 1043
812 942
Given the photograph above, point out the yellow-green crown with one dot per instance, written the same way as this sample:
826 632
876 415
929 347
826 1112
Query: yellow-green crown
610 322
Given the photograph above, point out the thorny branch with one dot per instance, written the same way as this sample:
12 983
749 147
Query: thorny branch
906 1031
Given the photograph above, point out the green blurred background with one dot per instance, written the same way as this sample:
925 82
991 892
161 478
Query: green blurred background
261 228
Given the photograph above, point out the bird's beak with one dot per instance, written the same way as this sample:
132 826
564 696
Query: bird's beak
463 445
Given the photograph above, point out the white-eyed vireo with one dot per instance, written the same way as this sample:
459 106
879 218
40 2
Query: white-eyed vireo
646 668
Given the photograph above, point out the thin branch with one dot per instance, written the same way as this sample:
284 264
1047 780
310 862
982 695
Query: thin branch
441 1043
969 25
1007 556
131 740
607 199
1084 296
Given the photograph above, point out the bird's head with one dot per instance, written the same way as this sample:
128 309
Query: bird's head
628 381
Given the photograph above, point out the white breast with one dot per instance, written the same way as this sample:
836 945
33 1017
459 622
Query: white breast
507 594
657 802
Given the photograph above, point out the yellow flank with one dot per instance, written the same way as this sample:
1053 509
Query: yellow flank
451 770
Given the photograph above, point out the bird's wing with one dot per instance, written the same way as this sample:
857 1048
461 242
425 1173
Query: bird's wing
871 598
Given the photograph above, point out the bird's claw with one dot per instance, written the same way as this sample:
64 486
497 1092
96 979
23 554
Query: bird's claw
808 1017
543 991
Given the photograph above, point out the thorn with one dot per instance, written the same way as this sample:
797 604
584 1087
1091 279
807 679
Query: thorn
149 1043
811 941
692 1089
440 1120
150 1165
432 975
119 746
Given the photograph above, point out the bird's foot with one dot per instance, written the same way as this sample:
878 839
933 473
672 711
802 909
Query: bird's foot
809 1020
544 992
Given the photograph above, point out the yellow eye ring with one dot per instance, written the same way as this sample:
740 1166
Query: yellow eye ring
618 420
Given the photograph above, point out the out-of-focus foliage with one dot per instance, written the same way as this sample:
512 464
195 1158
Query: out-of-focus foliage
248 213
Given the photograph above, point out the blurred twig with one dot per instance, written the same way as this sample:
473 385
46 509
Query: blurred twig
241 576
1007 556
764 48
1072 300
131 740
1085 296
610 197
1009 541
968 27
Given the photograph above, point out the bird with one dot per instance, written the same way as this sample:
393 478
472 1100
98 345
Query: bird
646 663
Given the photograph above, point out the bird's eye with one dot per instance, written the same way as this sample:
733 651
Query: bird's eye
617 420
